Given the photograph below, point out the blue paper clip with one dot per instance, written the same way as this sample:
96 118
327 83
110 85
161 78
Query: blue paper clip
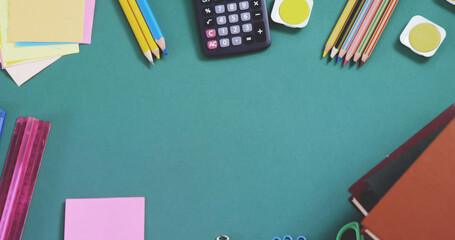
301 238
287 237
276 238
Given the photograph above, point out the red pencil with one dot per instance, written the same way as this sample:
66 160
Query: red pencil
378 32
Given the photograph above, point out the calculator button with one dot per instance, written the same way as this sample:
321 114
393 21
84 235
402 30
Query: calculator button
233 18
232 7
236 41
206 2
259 31
224 42
223 31
212 44
235 29
221 20
207 11
246 16
210 33
257 15
247 27
219 9
209 22
255 3
248 39
244 5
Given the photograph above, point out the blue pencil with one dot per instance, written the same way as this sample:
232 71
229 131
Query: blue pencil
2 119
354 29
152 24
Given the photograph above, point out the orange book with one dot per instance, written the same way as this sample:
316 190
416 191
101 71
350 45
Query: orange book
421 204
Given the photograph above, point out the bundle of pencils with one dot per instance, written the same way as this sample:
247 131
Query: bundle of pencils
145 27
358 29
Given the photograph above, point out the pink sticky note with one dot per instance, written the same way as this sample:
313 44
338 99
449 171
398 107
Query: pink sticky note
105 219
88 21
21 73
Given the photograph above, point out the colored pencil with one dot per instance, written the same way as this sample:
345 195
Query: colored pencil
370 30
144 28
354 29
362 30
339 26
136 30
347 28
378 32
152 24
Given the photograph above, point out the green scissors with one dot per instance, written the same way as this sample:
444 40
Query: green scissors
350 226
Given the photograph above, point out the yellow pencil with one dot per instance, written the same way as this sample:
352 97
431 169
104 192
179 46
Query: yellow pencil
136 29
145 29
339 26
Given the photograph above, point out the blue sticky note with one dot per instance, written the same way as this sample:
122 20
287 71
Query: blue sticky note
2 118
31 44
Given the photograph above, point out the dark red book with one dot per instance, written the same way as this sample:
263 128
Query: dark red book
363 198
421 204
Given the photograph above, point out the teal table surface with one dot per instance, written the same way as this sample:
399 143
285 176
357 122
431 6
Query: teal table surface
252 146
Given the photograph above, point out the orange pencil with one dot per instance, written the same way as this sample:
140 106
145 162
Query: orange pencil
379 30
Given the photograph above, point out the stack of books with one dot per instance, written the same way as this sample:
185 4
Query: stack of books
411 193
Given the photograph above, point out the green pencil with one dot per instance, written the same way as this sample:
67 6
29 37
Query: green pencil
366 39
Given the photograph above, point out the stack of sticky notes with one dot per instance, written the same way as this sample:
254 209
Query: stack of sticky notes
411 193
35 34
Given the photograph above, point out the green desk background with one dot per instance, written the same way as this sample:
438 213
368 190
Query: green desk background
253 146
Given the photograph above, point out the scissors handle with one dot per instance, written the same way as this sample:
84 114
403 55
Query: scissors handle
354 226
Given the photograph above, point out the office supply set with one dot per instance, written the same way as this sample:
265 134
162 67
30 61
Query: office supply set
362 23
35 34
410 194
375 195
145 27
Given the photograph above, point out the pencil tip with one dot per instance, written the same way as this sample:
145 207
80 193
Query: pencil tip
149 57
339 59
361 63
345 62
165 51
324 54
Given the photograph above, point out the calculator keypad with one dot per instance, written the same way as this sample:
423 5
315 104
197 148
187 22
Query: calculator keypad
233 26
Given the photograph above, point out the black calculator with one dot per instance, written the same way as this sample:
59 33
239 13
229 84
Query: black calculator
233 26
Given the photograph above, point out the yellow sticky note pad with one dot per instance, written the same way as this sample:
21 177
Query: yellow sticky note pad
292 13
11 54
46 21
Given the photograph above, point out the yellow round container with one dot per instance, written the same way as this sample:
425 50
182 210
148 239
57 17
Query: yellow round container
294 11
425 37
